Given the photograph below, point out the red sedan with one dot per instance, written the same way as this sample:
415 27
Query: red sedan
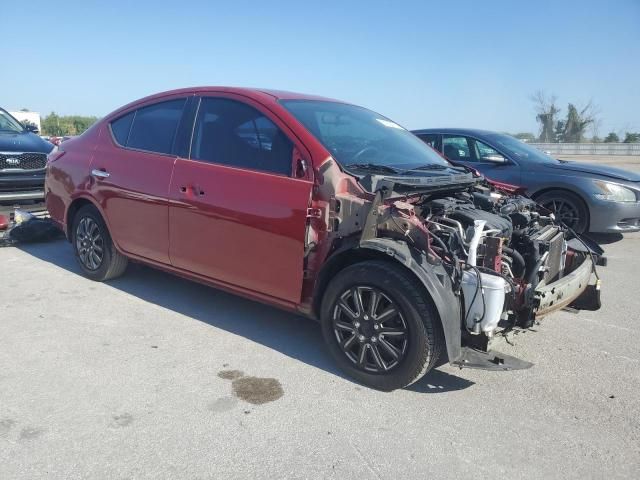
320 207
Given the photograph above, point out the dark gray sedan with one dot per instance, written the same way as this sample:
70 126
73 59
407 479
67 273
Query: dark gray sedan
585 196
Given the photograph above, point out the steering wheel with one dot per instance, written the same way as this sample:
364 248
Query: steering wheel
362 152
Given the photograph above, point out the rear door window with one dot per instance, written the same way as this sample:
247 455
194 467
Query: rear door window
154 127
234 134
120 128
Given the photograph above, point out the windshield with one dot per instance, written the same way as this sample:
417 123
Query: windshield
9 124
518 149
356 136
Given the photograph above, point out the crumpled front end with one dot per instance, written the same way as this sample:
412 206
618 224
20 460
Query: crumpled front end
510 262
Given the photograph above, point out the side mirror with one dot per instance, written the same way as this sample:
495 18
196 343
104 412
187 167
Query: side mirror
29 127
494 158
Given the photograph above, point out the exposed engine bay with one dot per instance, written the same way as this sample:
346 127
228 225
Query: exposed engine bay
509 261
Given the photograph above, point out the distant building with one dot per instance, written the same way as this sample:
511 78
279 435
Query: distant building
33 117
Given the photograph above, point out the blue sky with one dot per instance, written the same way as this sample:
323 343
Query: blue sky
422 63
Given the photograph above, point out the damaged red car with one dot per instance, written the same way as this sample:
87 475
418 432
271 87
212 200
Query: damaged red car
324 208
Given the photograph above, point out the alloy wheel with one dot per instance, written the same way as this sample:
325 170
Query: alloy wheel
370 329
89 243
564 210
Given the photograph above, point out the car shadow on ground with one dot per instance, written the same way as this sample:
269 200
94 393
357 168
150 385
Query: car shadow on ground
606 238
290 334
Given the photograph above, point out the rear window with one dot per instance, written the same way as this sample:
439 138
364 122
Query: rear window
154 127
120 128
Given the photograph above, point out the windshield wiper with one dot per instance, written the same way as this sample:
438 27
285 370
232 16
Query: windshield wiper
373 167
431 166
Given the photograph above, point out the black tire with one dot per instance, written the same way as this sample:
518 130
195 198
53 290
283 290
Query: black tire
416 315
99 260
568 207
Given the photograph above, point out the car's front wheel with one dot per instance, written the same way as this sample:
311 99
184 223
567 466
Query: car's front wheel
567 207
379 326
94 249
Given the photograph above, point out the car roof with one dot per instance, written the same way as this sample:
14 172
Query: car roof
256 93
456 131
262 95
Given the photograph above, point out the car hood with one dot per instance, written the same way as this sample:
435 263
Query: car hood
23 142
598 170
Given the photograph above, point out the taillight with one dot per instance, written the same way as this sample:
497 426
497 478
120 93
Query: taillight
55 154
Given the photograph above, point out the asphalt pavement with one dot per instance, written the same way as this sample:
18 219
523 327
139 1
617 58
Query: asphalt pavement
152 376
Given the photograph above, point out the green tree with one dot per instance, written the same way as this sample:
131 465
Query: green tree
558 131
611 138
546 112
51 125
58 126
572 129
577 122
630 137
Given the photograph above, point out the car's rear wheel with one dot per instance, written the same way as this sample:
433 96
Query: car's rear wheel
94 249
379 326
567 207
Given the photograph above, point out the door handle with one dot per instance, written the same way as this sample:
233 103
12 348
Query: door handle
99 173
195 189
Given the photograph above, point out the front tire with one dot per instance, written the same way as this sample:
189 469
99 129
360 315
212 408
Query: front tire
379 326
568 208
94 249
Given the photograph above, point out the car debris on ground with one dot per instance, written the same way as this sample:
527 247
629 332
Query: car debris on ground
27 227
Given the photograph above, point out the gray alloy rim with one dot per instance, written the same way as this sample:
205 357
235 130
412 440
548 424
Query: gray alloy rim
370 329
89 243
565 211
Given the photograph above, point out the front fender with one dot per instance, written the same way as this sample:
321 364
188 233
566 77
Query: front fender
437 284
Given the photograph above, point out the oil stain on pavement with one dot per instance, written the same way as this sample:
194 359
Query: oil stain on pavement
254 390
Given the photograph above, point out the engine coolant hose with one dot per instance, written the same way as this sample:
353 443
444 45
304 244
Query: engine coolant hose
517 258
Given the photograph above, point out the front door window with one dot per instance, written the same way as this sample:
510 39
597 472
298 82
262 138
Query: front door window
457 148
484 152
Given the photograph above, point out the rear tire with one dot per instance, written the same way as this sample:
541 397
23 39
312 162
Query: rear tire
357 316
568 207
94 249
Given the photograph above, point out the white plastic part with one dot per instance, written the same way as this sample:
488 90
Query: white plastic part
494 289
20 216
478 226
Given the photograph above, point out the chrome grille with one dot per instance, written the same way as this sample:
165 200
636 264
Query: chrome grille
22 161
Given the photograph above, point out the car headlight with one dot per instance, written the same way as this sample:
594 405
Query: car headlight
613 192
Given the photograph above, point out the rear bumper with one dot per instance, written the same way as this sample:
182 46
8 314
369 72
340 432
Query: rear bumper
27 185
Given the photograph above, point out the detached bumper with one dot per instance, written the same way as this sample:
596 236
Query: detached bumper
569 289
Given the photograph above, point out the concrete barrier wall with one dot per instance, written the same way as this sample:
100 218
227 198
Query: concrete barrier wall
589 148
